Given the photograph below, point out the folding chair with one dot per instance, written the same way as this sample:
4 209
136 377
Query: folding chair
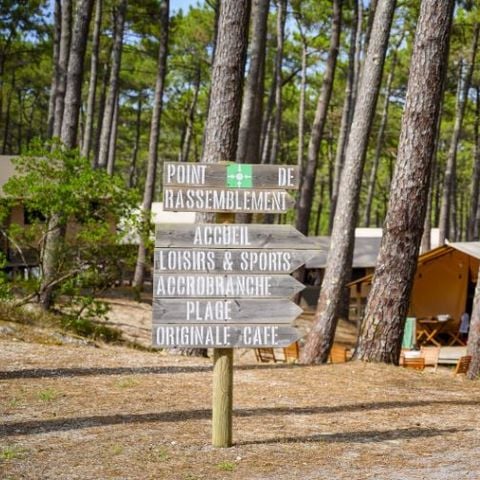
292 352
265 355
417 363
463 365
430 355
338 354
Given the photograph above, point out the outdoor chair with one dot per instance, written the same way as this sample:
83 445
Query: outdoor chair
265 355
430 355
338 354
463 365
417 363
292 352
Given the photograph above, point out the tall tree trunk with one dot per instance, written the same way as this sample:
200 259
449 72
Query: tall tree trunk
473 344
152 165
475 183
187 137
101 110
57 33
64 52
347 113
92 86
380 139
305 198
132 176
449 179
112 147
339 263
277 118
301 107
382 329
6 131
248 147
107 122
68 137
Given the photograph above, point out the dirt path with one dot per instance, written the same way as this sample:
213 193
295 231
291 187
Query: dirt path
80 412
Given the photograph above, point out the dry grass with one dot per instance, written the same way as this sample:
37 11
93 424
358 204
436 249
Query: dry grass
79 412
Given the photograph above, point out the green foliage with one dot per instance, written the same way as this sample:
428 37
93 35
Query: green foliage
226 466
51 181
47 395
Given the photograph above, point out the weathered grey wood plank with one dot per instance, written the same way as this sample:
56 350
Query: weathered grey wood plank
230 260
176 285
232 236
223 336
235 310
207 199
233 175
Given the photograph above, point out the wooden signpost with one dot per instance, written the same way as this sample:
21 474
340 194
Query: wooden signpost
226 286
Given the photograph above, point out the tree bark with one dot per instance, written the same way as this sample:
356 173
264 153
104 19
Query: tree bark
69 130
92 86
380 138
187 137
152 165
248 147
113 84
475 183
277 118
473 343
57 32
305 198
339 261
382 329
112 147
63 58
449 178
132 176
347 114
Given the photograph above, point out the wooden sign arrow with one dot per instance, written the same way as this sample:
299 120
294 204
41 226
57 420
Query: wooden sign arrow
231 175
232 236
223 336
229 261
234 310
205 199
218 286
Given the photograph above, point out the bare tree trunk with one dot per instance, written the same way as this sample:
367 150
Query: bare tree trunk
277 118
382 329
112 147
347 114
380 138
248 148
68 137
64 52
305 199
101 110
473 344
119 21
475 183
187 138
132 176
57 33
339 261
6 131
301 109
92 87
150 181
449 179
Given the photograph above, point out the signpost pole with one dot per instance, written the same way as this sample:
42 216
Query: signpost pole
222 401
222 395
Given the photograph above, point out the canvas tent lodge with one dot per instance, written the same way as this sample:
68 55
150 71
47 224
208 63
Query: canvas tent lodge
444 285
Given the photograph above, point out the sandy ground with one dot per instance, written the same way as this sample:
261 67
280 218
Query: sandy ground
76 411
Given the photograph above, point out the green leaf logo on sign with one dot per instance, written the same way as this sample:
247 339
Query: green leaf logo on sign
239 176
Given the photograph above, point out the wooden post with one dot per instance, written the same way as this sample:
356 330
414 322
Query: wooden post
222 401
